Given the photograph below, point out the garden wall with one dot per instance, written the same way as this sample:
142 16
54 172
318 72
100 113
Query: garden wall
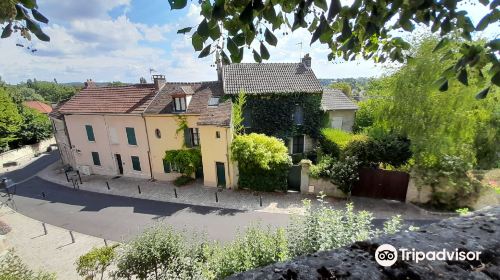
312 185
26 153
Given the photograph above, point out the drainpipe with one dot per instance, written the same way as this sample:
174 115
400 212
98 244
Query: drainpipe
149 150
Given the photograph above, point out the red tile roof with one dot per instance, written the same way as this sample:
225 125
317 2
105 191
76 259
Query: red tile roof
39 106
130 99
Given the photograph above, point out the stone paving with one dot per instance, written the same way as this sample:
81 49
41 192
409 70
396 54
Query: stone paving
197 194
53 252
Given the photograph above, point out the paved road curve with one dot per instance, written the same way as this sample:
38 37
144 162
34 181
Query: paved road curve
120 218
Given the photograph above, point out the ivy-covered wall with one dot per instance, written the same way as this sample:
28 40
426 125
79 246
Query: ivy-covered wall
272 114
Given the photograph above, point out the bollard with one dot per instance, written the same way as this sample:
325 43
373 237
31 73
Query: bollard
72 237
79 177
216 198
260 198
139 188
175 192
107 184
105 242
44 229
43 194
73 183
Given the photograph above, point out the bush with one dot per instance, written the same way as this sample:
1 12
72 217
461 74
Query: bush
263 162
340 138
186 160
183 180
322 169
95 262
367 151
345 173
13 268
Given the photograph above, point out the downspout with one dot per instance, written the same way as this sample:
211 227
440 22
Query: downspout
149 149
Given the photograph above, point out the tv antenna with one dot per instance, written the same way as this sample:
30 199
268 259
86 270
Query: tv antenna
300 49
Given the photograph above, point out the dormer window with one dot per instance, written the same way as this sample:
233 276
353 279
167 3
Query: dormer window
180 104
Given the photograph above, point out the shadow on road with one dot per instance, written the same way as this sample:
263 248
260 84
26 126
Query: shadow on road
94 202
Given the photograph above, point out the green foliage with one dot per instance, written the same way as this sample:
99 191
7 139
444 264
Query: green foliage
95 262
116 84
186 160
364 117
183 180
182 124
345 173
15 14
463 211
10 120
271 114
344 87
367 151
263 162
13 268
153 252
359 29
35 128
323 168
339 137
50 91
237 113
487 139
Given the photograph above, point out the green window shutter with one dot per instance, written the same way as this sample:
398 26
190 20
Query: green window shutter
187 137
90 132
131 136
136 163
96 159
166 166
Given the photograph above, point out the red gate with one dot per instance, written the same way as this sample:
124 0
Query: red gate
378 183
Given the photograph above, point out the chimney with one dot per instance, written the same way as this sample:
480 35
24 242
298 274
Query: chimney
89 84
159 81
219 63
307 60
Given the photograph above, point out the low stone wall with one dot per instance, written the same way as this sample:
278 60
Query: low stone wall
479 231
25 153
312 185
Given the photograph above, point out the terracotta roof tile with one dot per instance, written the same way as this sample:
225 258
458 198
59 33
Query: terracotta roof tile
39 106
129 99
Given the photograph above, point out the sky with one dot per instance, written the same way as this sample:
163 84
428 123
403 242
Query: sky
120 40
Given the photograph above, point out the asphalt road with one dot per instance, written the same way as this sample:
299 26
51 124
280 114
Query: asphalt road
120 218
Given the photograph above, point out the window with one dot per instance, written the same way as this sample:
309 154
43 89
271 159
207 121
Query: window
166 166
113 136
195 137
131 136
298 115
96 159
247 117
136 163
158 133
90 133
217 134
180 104
337 122
298 144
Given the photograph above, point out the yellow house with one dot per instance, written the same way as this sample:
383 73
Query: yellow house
190 115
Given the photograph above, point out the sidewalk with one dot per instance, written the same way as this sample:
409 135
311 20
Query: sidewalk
197 194
53 252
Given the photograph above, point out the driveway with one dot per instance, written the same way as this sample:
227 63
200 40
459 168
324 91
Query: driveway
119 218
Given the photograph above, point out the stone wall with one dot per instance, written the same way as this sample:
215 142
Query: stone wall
479 231
315 186
25 153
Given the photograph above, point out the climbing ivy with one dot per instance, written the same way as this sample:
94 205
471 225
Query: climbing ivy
273 114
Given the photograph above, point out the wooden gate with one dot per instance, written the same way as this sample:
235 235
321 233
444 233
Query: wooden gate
378 183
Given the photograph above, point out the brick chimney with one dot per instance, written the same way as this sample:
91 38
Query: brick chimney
159 81
89 84
307 60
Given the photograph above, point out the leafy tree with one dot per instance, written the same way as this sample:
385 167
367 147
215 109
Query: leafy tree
364 117
345 174
187 161
35 127
13 268
344 87
16 13
116 84
142 80
360 29
53 92
10 120
95 262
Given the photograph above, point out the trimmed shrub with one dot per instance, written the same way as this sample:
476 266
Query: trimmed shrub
339 138
263 162
345 173
322 169
394 149
183 180
95 262
367 151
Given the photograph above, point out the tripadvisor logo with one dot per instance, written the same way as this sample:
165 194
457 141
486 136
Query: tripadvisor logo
387 255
